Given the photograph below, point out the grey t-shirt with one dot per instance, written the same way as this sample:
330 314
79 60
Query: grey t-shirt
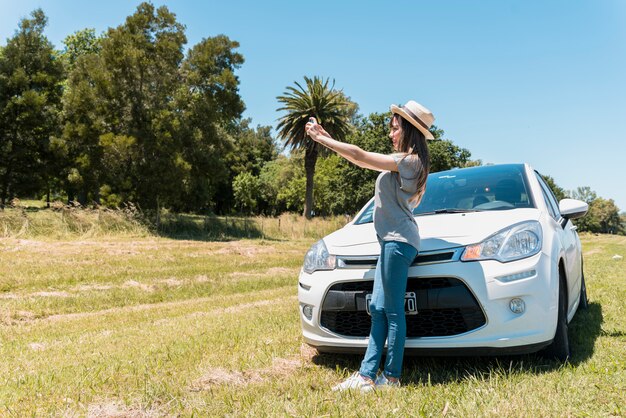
393 214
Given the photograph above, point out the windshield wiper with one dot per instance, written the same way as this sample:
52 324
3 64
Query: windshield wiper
448 210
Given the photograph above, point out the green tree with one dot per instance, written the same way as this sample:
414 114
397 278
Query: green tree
246 190
558 191
590 222
80 43
584 193
252 149
283 183
30 92
142 59
85 113
144 122
327 200
445 155
209 104
330 107
607 215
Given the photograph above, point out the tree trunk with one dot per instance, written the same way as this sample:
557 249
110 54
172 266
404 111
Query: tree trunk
5 188
310 158
70 194
158 214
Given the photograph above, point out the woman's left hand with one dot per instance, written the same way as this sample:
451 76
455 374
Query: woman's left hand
315 130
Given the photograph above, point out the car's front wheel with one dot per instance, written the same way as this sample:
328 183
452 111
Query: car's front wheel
559 348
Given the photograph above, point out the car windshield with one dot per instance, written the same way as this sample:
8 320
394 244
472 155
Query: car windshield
486 188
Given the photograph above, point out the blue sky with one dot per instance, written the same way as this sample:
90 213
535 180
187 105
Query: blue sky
542 82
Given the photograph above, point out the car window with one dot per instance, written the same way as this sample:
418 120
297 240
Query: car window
367 216
485 188
551 203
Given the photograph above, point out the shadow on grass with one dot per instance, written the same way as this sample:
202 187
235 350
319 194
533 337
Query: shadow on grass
33 209
584 330
208 228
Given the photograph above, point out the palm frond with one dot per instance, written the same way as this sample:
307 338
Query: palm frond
318 99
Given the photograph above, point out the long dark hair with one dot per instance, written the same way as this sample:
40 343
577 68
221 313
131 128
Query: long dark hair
413 141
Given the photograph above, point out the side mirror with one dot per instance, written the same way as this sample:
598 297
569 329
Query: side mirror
572 208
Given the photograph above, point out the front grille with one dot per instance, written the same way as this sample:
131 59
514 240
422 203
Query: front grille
429 322
352 262
433 258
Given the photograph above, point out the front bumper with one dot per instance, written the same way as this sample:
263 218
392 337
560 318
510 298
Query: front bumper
502 331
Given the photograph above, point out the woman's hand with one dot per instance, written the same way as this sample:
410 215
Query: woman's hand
350 152
315 130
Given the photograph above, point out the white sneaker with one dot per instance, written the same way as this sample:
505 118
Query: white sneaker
383 382
356 382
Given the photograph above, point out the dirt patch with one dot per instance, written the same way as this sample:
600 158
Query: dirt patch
137 285
274 271
91 287
280 368
172 282
43 294
238 248
17 317
307 352
54 294
240 307
23 244
119 410
61 248
221 376
144 307
280 270
37 346
244 306
592 252
256 304
203 278
244 274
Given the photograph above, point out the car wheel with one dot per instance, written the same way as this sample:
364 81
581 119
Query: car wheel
559 348
584 301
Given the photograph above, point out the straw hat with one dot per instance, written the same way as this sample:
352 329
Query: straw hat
417 115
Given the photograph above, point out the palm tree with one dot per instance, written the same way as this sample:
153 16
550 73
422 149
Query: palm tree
330 107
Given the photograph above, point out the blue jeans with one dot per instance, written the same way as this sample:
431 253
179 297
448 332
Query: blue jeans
387 309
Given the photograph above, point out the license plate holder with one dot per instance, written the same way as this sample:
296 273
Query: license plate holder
410 303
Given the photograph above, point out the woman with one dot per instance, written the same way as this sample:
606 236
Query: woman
399 188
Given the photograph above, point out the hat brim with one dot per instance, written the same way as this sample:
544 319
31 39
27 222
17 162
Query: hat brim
398 110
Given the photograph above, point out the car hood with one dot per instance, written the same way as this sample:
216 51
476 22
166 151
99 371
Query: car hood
441 231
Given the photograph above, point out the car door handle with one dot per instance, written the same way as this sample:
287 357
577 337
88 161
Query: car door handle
573 228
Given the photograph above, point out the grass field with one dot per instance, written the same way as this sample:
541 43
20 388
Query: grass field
116 325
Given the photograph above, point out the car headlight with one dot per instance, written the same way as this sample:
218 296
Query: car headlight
516 242
317 258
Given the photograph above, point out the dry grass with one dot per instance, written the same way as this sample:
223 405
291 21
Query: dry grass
77 223
119 326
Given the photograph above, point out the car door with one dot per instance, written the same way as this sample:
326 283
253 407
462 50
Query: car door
566 232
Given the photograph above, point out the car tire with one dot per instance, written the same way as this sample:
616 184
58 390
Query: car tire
559 348
584 300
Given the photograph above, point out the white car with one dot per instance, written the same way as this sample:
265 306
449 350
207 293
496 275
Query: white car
499 270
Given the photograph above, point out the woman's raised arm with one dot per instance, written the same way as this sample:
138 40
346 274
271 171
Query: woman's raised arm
352 153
